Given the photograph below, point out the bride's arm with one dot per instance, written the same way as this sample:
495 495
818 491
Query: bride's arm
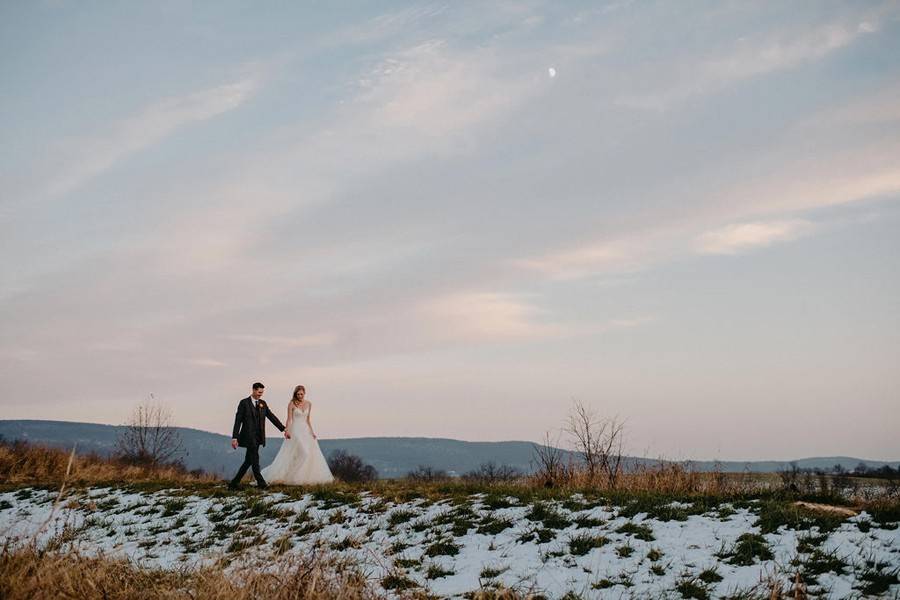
288 421
309 420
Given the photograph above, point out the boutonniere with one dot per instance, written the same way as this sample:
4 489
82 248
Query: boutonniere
262 404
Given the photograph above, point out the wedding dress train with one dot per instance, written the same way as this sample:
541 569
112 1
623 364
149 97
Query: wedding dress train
299 460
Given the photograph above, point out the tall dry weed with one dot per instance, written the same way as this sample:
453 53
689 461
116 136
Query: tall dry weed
21 462
31 573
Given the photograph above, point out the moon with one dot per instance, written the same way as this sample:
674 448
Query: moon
551 72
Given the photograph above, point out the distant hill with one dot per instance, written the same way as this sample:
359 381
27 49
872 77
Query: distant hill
391 456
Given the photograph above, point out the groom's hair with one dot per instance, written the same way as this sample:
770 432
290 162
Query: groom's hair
258 385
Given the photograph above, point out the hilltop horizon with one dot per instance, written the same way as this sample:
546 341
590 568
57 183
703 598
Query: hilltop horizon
706 463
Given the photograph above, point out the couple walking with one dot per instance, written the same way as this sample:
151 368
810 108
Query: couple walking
299 460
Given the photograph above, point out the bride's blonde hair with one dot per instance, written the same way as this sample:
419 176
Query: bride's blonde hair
297 389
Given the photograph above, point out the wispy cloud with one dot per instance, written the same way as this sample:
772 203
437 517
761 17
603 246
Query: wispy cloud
87 158
386 25
880 106
206 362
318 339
431 89
627 251
484 316
749 57
479 317
426 99
741 237
610 256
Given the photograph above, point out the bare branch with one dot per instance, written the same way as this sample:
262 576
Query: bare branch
598 442
150 437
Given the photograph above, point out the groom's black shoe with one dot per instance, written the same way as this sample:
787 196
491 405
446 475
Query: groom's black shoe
233 485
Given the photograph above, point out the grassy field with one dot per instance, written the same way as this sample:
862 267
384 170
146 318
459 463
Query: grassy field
108 530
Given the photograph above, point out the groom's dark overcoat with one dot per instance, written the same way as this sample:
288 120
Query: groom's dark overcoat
250 423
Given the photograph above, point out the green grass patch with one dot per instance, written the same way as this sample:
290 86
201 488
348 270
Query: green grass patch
819 562
691 588
346 543
435 571
495 501
337 517
256 507
24 494
407 563
329 498
749 548
725 512
242 541
641 532
885 513
304 524
420 526
538 534
709 576
491 572
398 517
282 545
492 526
442 548
398 582
173 506
623 579
774 514
662 507
548 516
810 541
397 547
588 522
877 578
582 543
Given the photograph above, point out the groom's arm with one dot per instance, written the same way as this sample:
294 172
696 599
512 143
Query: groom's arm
238 420
271 416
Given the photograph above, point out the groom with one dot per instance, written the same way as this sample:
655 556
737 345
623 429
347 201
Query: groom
250 433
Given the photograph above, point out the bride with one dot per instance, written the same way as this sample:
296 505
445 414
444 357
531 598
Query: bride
299 461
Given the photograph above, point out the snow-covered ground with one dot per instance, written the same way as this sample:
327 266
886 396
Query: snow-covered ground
590 549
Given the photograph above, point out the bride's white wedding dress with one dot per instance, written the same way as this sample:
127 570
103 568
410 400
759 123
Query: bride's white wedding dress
299 460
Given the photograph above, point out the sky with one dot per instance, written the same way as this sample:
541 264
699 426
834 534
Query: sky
454 219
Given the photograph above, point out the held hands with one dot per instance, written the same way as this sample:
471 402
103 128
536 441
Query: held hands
234 444
287 435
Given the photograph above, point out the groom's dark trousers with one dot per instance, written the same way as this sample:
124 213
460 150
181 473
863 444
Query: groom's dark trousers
250 432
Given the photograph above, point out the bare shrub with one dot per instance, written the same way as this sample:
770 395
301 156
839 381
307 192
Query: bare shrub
424 473
150 437
350 468
549 467
790 478
491 472
598 441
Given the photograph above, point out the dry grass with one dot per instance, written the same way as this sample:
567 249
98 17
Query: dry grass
664 478
28 573
22 463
